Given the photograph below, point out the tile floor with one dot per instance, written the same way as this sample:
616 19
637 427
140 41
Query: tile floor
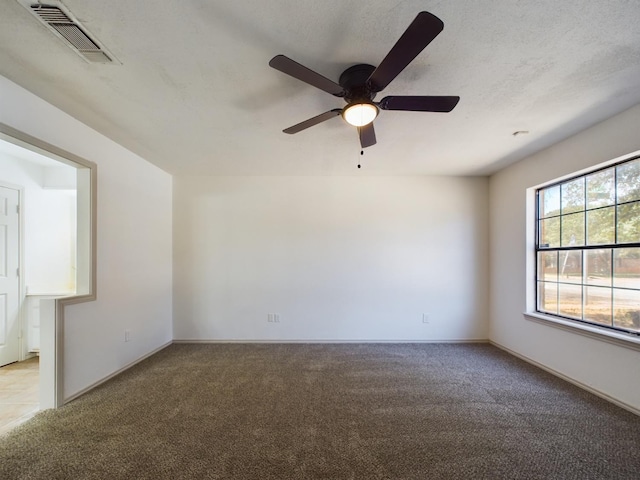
18 393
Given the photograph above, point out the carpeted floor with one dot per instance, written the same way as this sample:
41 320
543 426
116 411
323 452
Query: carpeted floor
362 411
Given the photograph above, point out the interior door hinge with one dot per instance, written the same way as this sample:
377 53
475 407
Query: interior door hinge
18 209
17 272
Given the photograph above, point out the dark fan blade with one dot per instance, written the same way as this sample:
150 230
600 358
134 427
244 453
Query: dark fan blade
290 67
420 33
313 121
367 135
419 103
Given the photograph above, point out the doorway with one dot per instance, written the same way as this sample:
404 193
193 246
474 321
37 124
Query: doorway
56 249
9 274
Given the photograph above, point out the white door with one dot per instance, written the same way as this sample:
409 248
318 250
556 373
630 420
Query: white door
9 280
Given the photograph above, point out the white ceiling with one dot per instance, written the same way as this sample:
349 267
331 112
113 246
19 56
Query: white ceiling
14 151
194 93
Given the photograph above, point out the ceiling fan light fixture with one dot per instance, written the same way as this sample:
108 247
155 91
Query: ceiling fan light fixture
360 114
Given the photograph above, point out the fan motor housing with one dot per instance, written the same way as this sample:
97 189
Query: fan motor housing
354 81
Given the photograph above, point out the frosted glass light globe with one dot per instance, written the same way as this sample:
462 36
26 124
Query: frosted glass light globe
360 114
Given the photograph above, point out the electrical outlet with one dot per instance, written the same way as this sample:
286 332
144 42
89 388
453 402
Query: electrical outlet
273 317
127 335
425 318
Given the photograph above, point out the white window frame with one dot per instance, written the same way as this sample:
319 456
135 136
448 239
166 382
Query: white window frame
629 340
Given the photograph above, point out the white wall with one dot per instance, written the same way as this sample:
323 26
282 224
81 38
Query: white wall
338 258
49 239
605 367
134 245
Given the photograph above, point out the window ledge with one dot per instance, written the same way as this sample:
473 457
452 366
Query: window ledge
616 338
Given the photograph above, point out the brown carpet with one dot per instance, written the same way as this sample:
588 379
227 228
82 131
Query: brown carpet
361 411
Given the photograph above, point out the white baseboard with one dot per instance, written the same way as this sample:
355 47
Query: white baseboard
222 341
584 386
588 388
117 372
214 341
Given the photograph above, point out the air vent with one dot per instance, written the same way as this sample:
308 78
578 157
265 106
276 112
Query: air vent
67 28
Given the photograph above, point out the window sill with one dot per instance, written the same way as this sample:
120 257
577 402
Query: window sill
616 338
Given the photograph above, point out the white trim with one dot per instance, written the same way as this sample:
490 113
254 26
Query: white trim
610 336
116 373
495 344
581 385
187 341
50 343
28 142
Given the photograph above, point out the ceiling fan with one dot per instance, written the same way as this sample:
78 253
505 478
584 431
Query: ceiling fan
359 84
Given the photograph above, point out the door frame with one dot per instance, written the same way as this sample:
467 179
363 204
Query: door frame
22 355
87 195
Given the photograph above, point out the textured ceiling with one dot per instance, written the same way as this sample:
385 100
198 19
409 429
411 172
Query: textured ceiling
194 93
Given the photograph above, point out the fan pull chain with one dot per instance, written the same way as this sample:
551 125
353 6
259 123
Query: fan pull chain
361 153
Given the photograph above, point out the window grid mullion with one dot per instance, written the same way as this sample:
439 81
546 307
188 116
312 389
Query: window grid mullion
613 269
584 213
613 247
597 246
615 208
582 278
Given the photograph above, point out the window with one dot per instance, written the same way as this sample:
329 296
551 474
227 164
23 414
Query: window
588 248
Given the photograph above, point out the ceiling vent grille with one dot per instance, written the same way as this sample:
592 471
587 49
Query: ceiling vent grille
68 29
